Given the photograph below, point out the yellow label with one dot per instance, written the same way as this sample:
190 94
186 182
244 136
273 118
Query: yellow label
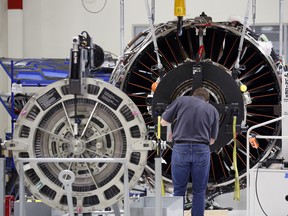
179 11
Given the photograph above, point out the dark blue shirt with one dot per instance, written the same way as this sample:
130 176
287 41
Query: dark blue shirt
195 120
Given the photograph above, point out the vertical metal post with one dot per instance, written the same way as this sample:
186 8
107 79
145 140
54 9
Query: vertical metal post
285 43
284 109
122 28
254 13
245 24
152 31
12 100
126 191
153 10
281 8
22 201
2 186
116 209
158 187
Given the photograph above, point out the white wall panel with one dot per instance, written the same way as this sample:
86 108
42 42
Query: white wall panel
3 77
50 24
15 34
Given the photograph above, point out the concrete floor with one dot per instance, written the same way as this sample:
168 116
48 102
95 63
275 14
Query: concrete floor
220 213
210 213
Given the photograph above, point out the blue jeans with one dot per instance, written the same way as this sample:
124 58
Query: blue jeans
191 160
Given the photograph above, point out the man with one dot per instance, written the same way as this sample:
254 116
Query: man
195 127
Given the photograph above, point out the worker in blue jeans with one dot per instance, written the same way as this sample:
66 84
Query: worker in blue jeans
195 127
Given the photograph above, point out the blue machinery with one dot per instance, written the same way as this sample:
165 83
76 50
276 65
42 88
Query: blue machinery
36 73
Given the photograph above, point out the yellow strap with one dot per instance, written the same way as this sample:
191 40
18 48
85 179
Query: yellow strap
237 183
158 138
159 128
163 188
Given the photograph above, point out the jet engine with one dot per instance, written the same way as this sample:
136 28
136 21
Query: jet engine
205 56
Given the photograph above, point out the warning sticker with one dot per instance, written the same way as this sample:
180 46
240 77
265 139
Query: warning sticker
111 99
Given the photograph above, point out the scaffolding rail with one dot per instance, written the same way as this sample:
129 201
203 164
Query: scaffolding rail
248 170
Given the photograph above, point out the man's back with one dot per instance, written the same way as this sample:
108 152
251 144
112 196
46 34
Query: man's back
196 120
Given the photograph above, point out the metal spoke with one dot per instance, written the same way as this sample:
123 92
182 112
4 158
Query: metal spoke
68 119
90 117
99 136
56 135
89 170
99 155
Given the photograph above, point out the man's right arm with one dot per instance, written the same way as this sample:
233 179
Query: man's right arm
164 123
169 115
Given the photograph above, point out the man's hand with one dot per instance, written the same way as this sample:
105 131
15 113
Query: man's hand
212 141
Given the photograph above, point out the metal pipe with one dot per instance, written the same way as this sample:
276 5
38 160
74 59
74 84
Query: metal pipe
248 158
285 44
153 10
254 13
271 137
152 31
126 191
22 207
281 10
2 186
237 66
122 28
73 160
13 119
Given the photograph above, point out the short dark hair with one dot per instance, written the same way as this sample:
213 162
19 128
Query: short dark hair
202 92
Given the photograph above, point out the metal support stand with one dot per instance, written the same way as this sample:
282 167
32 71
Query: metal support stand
158 187
158 173
22 208
116 209
67 177
2 186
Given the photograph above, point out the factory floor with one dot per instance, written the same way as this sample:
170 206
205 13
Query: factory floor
210 213
220 213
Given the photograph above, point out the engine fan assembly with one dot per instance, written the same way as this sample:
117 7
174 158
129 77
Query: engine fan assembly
212 49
